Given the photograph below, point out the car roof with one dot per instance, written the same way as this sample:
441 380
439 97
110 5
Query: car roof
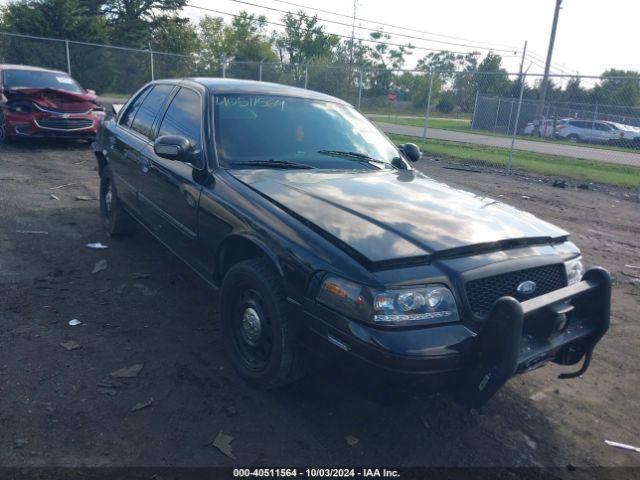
8 66
231 85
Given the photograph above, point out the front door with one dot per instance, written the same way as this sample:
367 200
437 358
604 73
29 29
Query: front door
169 193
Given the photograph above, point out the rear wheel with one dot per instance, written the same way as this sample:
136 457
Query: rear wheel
116 221
258 336
3 129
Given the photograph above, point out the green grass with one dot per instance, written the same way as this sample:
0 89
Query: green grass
553 165
119 96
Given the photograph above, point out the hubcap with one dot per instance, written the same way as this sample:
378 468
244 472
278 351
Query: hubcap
251 328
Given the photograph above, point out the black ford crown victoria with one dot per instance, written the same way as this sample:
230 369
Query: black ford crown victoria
321 237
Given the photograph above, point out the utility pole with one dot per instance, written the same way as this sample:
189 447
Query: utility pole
545 79
353 33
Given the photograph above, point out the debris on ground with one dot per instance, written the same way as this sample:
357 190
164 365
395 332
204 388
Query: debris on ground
62 186
351 440
146 291
128 372
231 411
20 443
425 423
142 405
583 186
33 232
99 266
112 392
559 184
633 266
108 383
141 276
84 198
526 197
70 345
223 443
96 246
623 446
55 197
74 322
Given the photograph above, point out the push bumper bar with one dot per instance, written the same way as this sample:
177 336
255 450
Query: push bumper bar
562 326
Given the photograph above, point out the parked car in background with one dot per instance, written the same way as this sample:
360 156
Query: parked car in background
589 131
41 103
323 239
629 135
547 129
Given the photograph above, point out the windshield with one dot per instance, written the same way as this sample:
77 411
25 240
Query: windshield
37 79
320 134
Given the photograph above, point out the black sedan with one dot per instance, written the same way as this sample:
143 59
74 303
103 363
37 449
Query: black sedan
323 239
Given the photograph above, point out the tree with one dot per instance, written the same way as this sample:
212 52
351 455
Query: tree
303 41
133 21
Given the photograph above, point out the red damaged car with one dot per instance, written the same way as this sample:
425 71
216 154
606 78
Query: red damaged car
40 103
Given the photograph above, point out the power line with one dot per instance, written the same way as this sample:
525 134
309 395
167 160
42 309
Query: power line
348 37
352 26
508 47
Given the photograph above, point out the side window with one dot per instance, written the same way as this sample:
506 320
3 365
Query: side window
143 121
127 116
602 127
184 118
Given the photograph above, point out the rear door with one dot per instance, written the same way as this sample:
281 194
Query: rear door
121 148
169 191
135 128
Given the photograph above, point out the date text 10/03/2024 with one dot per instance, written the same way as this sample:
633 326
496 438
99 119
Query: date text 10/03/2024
316 472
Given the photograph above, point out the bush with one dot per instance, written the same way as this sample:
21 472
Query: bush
445 106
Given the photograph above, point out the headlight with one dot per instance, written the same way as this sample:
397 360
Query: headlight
574 270
420 305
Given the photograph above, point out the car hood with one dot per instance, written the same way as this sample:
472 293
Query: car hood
390 215
53 98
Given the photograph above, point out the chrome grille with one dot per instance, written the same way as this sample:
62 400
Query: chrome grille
65 123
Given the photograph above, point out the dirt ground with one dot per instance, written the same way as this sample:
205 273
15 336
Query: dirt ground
60 407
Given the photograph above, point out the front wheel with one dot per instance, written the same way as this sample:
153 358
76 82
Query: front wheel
258 336
573 138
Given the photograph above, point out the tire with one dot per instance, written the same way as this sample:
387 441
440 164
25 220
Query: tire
3 129
573 138
258 336
115 220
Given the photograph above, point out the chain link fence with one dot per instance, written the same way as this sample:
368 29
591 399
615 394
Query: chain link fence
587 130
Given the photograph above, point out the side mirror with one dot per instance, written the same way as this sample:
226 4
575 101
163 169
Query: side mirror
411 151
172 147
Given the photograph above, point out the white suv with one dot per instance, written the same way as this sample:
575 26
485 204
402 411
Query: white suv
588 131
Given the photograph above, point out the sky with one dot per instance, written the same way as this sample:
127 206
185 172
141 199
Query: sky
592 36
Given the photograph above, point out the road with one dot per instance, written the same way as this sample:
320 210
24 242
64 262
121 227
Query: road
550 148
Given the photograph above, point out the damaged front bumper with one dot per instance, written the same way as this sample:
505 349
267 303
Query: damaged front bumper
562 326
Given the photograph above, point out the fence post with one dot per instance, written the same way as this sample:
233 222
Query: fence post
224 66
475 107
260 70
360 88
495 123
426 115
66 45
306 75
515 127
153 76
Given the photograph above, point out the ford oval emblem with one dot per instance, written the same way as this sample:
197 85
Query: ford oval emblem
527 287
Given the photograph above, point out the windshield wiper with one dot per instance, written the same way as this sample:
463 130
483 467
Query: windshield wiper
355 155
272 164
